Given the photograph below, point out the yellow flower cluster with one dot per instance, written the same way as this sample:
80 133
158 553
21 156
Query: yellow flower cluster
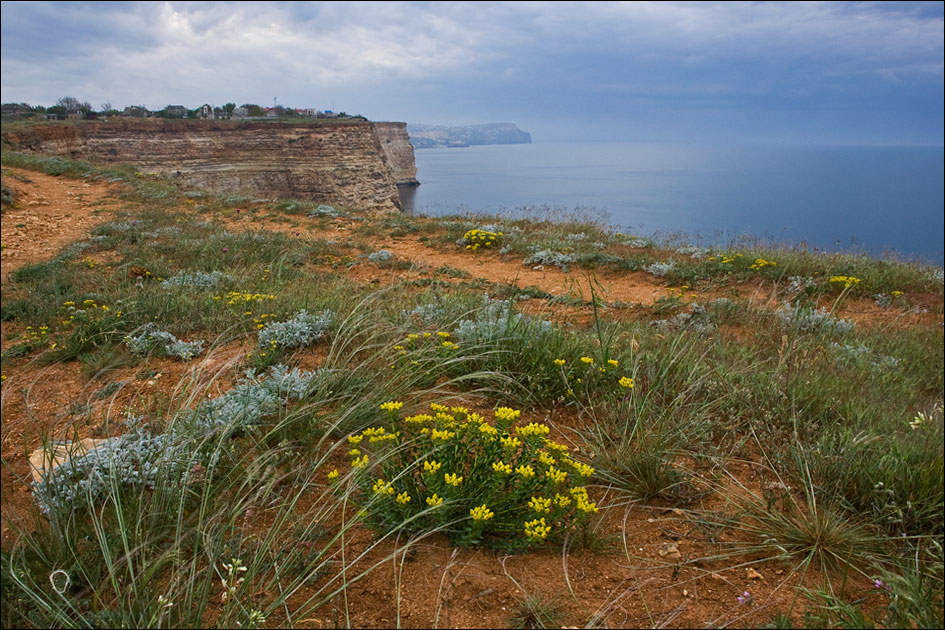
481 513
540 505
437 434
392 406
502 467
583 502
761 263
452 479
474 239
403 498
382 487
533 428
846 281
241 297
431 466
537 529
525 471
579 467
626 381
507 414
555 475
435 500
511 442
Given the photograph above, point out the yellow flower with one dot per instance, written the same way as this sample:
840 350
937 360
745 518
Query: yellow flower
613 362
360 462
403 498
333 475
546 458
559 362
452 479
435 500
587 360
355 439
481 513
431 466
392 406
626 381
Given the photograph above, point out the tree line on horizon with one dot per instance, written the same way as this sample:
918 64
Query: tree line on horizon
70 105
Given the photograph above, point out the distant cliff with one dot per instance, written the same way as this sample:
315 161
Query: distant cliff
429 136
342 163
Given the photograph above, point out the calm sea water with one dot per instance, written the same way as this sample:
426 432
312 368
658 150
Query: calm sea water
879 201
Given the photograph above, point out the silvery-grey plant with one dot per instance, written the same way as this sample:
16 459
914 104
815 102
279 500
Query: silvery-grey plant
304 328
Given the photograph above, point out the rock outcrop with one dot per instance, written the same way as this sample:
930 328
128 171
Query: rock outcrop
336 162
396 146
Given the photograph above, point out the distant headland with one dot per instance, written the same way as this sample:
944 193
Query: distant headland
433 136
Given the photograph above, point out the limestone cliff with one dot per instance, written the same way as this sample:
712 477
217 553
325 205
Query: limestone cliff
337 162
396 145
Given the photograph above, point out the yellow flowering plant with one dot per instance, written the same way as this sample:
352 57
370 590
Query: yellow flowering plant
481 482
476 239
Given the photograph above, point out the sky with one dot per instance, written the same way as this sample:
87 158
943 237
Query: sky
845 73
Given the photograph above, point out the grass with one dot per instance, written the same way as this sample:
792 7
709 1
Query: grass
841 429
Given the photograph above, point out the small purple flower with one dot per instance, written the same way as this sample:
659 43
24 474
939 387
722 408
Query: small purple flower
238 211
879 585
745 599
224 250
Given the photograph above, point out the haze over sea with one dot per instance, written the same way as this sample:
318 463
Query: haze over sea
882 201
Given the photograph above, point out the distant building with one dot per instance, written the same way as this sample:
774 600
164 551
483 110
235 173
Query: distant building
206 112
175 111
75 114
134 111
239 112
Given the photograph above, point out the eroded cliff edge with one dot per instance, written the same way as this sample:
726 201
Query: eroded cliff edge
337 162
399 152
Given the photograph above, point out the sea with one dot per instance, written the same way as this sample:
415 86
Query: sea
880 201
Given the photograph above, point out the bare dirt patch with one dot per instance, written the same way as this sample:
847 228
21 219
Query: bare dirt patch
50 213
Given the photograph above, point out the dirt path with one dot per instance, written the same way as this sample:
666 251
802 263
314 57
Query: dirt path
50 213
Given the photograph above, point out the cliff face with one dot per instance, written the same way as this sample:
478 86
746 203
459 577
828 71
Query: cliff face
339 163
396 146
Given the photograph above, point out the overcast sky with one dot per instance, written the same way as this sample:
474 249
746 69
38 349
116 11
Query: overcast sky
819 73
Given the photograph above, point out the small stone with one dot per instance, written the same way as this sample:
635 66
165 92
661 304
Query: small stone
669 550
754 575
